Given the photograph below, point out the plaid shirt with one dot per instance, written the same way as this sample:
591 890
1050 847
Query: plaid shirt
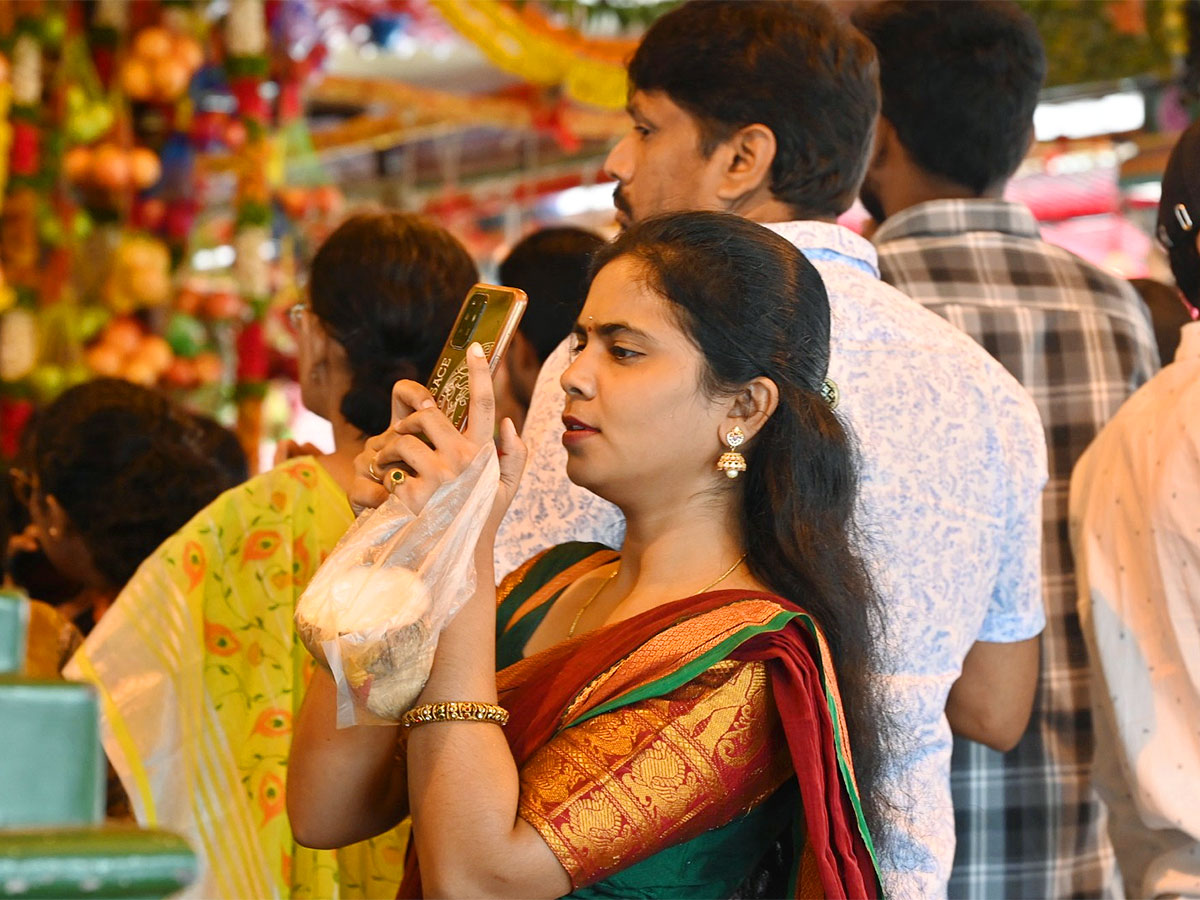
1029 823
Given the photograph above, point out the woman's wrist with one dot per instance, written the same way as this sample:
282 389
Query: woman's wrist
464 663
455 711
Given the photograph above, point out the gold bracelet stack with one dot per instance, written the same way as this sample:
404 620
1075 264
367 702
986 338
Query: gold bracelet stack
455 711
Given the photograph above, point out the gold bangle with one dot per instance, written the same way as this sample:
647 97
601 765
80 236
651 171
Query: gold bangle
455 711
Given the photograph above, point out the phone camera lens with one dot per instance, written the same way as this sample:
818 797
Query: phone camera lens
470 319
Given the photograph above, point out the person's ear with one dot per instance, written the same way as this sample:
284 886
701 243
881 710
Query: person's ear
752 406
885 145
57 520
322 348
886 149
747 157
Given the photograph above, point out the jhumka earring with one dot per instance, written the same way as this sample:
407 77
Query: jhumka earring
733 463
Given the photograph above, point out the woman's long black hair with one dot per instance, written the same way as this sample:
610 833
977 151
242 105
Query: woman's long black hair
754 306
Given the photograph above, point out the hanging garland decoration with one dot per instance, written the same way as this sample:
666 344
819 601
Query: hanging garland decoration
18 334
257 167
21 250
8 296
398 109
32 252
527 44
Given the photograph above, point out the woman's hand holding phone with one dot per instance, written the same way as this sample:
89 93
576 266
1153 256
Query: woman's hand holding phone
367 491
428 449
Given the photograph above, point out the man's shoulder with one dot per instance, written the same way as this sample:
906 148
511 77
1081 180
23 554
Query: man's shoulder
872 314
1161 415
869 308
904 361
1023 270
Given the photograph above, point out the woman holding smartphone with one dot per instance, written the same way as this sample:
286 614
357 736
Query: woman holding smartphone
680 715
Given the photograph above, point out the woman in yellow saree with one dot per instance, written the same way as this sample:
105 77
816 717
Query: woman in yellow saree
197 662
680 715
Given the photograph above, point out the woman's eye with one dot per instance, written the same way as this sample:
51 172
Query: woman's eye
575 345
641 130
619 352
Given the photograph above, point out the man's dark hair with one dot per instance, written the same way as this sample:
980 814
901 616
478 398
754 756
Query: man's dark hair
551 266
960 82
794 67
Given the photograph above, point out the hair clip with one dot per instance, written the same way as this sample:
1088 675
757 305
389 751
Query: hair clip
830 393
1182 217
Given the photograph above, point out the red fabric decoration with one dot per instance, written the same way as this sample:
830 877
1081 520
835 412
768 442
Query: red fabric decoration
25 156
251 104
14 415
254 360
291 105
177 222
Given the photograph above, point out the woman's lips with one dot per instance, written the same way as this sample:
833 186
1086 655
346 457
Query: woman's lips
576 430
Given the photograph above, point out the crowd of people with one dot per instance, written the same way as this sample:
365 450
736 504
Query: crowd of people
821 564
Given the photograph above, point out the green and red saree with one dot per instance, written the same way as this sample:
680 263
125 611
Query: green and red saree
657 754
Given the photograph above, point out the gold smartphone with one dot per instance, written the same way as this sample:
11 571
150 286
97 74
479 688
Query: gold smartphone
489 315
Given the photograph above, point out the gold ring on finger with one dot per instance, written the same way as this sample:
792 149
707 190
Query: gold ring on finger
371 471
397 476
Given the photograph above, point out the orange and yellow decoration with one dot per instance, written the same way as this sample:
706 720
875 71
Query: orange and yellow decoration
524 42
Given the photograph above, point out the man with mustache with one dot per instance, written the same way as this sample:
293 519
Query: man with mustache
767 110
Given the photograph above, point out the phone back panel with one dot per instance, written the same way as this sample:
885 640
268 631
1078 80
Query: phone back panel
489 315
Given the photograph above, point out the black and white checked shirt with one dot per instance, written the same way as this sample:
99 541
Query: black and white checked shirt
1029 823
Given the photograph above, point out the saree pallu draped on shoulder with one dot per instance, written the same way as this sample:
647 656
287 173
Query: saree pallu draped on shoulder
660 651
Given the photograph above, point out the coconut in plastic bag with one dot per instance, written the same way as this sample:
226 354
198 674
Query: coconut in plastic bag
373 611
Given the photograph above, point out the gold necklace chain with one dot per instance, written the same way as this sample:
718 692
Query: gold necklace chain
603 584
588 602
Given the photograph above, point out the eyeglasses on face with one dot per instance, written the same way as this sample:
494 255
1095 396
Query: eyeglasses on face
295 313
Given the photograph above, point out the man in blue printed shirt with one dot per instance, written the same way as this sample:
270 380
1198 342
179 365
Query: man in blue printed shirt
766 110
960 82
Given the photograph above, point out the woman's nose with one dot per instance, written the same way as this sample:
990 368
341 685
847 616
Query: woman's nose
577 380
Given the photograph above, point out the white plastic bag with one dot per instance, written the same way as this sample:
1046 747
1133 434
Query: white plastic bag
374 610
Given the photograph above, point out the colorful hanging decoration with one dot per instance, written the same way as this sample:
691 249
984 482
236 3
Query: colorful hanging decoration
8 296
524 42
256 169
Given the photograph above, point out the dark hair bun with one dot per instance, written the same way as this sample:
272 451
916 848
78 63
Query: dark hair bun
387 286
